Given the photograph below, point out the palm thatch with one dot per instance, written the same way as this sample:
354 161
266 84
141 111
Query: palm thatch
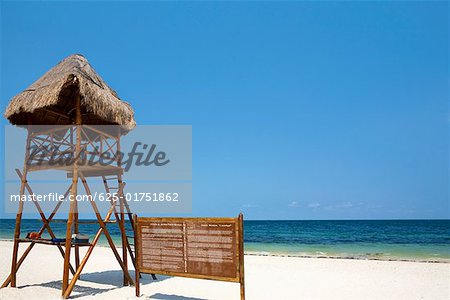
50 100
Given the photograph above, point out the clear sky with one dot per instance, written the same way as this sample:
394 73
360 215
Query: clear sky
299 110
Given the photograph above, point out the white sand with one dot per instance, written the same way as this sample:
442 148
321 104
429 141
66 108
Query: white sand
266 278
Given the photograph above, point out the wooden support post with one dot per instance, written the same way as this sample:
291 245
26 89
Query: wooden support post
19 213
137 274
76 231
77 248
17 235
123 237
122 212
68 243
241 255
73 194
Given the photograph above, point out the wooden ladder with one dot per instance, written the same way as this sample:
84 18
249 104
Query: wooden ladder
128 232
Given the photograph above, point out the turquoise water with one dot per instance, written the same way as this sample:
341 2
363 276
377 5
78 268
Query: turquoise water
424 240
427 240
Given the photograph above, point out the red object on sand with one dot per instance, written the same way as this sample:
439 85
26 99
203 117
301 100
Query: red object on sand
33 235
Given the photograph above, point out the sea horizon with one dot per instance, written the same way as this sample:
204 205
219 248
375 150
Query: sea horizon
386 219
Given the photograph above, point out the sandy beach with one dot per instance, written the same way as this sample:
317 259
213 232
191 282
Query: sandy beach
267 277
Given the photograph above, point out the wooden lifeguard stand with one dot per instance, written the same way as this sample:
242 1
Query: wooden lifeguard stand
71 103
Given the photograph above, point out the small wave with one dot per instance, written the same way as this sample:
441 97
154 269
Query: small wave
372 256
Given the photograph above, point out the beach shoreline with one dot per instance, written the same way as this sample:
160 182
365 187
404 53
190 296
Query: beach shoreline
440 261
266 254
267 277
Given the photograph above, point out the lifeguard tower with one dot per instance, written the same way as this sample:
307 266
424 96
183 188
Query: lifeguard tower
72 111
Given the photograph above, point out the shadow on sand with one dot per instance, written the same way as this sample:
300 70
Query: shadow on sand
115 277
78 291
171 297
111 278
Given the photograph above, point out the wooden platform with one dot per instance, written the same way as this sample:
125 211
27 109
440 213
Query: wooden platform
93 170
49 242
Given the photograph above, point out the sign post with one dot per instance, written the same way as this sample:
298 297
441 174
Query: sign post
204 248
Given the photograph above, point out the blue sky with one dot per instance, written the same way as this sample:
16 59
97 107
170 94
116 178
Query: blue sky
299 110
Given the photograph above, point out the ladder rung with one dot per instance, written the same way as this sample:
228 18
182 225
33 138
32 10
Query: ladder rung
130 236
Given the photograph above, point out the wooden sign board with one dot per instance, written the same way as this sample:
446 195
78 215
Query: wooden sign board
206 248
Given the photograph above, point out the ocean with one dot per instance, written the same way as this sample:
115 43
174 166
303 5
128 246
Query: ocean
418 240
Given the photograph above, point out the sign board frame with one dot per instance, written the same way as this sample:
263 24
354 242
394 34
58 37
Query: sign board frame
140 222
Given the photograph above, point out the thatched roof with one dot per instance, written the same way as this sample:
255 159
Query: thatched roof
50 100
